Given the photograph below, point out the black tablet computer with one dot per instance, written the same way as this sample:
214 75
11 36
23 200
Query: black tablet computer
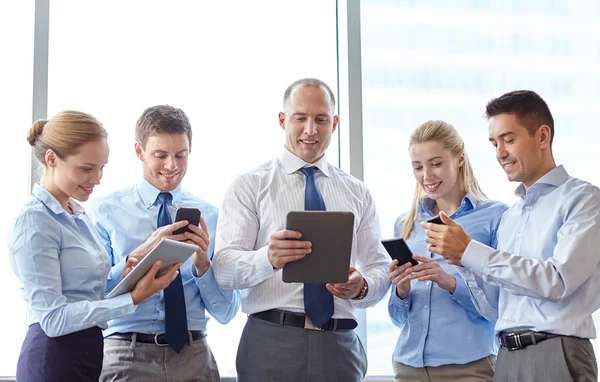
331 234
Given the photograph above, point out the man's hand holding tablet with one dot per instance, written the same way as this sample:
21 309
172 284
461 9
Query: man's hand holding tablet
326 237
285 246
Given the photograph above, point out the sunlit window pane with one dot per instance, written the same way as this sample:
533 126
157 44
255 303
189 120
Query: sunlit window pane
225 69
431 59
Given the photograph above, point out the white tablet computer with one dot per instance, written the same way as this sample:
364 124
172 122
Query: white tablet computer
170 252
330 233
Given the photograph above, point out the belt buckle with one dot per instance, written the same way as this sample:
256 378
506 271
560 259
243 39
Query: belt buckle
156 340
517 338
308 324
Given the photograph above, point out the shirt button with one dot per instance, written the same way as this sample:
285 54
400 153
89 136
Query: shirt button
459 301
93 322
527 208
214 304
454 298
160 322
162 304
203 285
123 311
519 234
425 306
428 283
406 304
424 330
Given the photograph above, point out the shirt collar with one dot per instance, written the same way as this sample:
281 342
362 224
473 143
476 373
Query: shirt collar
426 204
44 196
148 193
291 163
554 178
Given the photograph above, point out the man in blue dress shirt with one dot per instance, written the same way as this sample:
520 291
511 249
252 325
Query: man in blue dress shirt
142 345
542 282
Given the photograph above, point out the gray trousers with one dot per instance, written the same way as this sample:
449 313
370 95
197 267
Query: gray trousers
481 370
269 352
558 359
136 361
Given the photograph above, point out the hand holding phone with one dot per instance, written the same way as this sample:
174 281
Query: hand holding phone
192 215
399 250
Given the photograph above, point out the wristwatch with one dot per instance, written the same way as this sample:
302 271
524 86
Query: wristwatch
363 292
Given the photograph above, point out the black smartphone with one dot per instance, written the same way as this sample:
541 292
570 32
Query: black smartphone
192 215
399 250
435 220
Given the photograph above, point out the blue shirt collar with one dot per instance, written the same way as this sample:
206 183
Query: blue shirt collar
553 178
44 196
148 193
291 163
426 204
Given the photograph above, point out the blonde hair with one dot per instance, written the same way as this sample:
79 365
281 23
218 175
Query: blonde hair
64 134
444 133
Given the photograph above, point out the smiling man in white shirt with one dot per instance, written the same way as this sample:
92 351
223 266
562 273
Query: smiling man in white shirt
252 246
546 268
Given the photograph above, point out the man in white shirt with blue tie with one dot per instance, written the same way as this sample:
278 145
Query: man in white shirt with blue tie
544 278
279 342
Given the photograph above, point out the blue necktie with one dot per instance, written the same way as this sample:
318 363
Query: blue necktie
318 301
175 316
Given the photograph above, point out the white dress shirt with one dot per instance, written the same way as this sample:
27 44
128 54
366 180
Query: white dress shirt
547 262
255 207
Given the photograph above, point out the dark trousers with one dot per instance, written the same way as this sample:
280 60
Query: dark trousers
269 352
558 359
72 357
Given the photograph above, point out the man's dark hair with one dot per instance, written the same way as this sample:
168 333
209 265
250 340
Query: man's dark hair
529 108
309 82
162 119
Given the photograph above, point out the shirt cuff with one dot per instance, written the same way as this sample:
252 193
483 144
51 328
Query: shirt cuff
263 264
207 277
400 303
114 276
476 257
461 293
125 303
195 274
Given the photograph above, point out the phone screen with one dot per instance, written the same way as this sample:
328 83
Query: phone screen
192 215
399 250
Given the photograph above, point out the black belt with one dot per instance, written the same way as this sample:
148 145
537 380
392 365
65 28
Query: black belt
159 339
300 320
519 340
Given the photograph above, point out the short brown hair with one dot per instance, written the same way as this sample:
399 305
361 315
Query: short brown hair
529 108
64 133
162 119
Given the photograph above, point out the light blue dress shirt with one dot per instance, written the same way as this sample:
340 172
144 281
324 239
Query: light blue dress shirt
62 267
125 220
440 328
548 258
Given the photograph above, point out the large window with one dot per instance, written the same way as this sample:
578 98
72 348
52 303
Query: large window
431 59
226 70
16 69
421 60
